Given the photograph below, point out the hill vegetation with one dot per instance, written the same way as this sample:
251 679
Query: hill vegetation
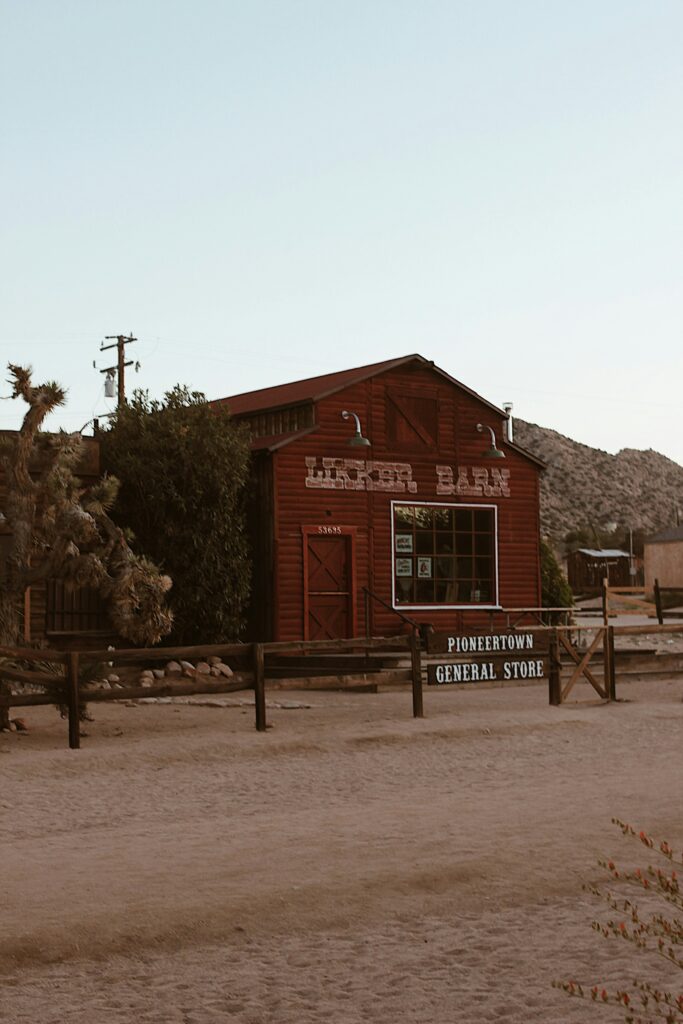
586 491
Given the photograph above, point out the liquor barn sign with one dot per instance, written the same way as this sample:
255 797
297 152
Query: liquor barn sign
487 657
397 477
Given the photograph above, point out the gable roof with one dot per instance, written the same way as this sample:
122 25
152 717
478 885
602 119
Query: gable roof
603 552
312 389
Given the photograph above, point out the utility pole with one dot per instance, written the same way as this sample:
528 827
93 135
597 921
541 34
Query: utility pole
120 342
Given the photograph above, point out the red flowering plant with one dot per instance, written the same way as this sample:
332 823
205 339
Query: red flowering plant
659 931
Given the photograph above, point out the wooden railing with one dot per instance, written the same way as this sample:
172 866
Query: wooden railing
635 600
638 600
63 675
62 683
545 616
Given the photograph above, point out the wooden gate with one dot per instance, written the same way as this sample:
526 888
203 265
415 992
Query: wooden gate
329 583
602 642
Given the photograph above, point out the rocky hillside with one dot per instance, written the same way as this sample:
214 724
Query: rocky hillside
586 487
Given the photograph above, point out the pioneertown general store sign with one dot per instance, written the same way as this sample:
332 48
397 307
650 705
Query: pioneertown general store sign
488 657
397 477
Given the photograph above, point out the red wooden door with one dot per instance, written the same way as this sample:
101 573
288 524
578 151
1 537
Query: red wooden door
329 587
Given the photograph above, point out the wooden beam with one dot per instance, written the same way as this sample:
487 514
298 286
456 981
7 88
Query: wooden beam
137 655
33 654
187 688
582 664
184 689
654 630
38 678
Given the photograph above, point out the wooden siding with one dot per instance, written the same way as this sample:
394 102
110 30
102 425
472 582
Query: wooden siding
369 512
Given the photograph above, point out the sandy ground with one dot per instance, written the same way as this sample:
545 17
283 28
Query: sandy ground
349 865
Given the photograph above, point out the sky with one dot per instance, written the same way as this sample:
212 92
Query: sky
269 190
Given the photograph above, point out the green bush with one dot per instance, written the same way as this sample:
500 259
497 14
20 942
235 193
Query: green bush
555 590
183 467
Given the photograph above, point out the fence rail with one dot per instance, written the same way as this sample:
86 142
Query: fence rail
68 688
639 600
65 671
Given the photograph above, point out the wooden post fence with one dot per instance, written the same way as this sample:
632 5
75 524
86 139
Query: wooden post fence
416 674
259 687
554 680
611 683
606 661
73 700
658 604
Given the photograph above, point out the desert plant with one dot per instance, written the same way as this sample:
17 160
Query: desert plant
659 932
57 529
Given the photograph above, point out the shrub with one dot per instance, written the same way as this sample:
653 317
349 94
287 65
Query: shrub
183 467
659 932
555 590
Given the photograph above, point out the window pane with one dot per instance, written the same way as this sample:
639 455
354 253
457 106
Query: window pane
482 568
444 568
445 592
483 521
464 568
404 514
463 543
443 519
423 518
463 520
443 543
404 590
484 543
424 592
424 543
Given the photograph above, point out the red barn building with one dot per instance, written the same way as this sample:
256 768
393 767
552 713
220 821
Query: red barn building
395 480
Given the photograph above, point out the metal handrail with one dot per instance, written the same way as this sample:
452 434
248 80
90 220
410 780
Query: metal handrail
406 618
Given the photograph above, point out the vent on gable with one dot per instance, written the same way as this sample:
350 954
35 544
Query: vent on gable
412 420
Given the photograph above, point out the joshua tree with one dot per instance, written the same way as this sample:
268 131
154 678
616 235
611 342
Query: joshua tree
58 529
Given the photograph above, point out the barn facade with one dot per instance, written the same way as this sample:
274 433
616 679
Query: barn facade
383 494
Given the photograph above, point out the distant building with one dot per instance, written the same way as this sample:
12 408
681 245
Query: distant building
588 567
663 555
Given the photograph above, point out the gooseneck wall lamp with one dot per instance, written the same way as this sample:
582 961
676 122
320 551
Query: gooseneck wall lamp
357 440
493 452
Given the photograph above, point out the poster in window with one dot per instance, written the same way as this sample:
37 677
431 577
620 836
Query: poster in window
404 567
404 542
424 568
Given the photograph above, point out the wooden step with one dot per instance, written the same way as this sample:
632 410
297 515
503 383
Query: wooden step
355 683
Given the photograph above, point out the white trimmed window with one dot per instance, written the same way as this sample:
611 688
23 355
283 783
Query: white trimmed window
444 555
